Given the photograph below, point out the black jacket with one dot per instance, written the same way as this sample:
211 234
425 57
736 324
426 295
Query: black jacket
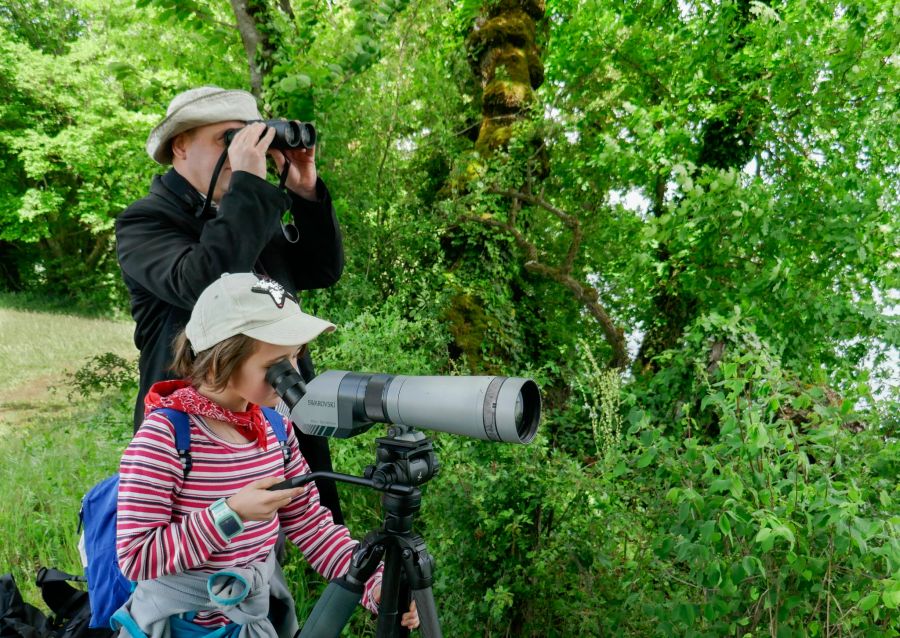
169 253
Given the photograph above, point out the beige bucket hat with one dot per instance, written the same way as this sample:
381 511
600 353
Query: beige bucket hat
198 107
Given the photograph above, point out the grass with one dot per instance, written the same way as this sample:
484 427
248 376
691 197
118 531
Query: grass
36 352
48 467
53 448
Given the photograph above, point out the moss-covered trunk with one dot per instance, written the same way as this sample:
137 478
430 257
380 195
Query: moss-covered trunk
505 59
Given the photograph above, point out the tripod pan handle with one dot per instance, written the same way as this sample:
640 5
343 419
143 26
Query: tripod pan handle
333 610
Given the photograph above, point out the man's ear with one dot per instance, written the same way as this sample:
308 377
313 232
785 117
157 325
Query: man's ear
180 144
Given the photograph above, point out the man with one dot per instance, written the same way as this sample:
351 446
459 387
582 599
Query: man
172 244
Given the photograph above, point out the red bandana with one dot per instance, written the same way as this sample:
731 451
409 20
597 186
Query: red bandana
181 395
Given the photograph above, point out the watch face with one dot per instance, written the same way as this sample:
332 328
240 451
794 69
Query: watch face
229 526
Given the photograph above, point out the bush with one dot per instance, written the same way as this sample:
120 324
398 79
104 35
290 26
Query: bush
764 506
781 517
102 374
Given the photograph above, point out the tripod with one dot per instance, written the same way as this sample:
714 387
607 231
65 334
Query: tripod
405 459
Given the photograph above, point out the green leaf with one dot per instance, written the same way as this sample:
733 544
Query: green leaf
868 602
720 485
725 525
782 531
646 458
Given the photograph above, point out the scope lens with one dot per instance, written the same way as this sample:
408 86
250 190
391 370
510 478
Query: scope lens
528 411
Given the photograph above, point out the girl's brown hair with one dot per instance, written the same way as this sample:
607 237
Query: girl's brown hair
214 366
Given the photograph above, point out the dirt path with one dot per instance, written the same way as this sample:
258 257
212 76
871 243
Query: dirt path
39 350
28 401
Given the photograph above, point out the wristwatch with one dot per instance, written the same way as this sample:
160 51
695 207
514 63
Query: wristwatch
226 520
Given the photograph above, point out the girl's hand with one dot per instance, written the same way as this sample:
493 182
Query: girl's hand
410 619
255 503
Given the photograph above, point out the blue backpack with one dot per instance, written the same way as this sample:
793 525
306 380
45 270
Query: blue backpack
108 589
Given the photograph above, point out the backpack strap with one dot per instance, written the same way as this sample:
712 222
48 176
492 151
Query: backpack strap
62 599
276 422
182 426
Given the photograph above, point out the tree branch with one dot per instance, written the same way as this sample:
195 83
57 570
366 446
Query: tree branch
287 8
251 38
569 220
562 274
566 218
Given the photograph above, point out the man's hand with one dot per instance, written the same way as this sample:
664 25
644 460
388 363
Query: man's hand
256 503
301 178
247 151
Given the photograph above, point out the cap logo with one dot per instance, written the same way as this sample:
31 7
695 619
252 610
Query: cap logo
274 290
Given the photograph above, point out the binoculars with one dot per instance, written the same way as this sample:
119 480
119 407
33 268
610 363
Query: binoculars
288 134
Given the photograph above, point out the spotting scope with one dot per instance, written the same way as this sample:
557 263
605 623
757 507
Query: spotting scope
343 404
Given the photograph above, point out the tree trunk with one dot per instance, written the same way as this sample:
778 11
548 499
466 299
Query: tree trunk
254 24
505 58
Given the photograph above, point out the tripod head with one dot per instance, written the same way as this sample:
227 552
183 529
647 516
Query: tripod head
405 456
405 459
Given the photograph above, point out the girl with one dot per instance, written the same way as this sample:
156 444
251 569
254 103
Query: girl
199 540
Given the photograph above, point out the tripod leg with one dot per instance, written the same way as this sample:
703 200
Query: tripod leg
410 554
418 565
337 604
388 610
332 611
428 620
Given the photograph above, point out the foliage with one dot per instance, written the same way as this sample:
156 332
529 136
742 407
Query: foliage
601 390
784 520
731 172
72 138
782 523
634 88
102 373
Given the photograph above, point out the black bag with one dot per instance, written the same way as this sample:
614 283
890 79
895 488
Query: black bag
70 607
18 619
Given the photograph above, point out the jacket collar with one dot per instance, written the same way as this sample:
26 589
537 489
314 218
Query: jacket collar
177 189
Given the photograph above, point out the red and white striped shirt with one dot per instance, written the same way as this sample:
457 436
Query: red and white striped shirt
165 525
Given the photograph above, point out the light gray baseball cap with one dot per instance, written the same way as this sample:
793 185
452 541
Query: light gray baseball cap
245 303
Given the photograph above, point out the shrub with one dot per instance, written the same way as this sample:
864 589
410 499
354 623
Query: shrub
781 516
